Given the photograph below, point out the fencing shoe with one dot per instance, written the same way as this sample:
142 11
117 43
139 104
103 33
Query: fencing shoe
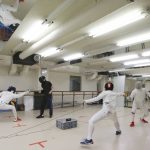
16 120
40 116
118 132
86 141
144 121
132 124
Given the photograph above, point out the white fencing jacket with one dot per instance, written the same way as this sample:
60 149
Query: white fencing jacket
6 96
139 95
109 98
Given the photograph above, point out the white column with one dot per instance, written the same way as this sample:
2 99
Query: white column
119 86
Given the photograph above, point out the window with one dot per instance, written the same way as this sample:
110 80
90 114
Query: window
75 83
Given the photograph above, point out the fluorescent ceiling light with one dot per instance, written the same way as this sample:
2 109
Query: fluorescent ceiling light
146 53
35 31
72 57
142 65
118 22
134 39
145 75
134 62
44 40
48 52
122 58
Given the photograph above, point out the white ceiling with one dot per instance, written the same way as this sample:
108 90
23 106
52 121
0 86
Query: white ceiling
70 32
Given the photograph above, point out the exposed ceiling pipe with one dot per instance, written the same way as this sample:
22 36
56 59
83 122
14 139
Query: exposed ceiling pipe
92 61
100 77
138 70
13 69
88 54
69 27
92 76
52 16
6 60
74 41
2 44
113 47
108 48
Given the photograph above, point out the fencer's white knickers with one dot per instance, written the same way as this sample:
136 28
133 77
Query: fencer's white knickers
142 106
107 111
4 106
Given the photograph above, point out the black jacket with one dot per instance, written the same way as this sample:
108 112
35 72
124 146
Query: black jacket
47 87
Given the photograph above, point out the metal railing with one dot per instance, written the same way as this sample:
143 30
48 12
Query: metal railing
68 98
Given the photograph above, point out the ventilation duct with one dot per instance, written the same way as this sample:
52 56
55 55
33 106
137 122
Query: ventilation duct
30 60
92 76
102 55
99 77
103 73
111 74
76 61
61 62
71 26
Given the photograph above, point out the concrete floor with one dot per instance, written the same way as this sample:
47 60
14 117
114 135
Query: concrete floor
42 134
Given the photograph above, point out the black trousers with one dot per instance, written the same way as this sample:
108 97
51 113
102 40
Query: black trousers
47 100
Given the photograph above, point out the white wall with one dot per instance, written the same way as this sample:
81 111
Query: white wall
129 84
147 85
102 82
21 82
119 86
61 81
119 83
88 85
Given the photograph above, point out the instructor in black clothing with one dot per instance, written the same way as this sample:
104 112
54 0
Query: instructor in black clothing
47 93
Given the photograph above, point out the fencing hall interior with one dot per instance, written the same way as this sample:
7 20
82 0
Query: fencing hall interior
74 74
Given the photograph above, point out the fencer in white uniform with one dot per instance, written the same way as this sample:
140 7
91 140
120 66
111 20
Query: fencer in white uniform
138 96
6 97
108 110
